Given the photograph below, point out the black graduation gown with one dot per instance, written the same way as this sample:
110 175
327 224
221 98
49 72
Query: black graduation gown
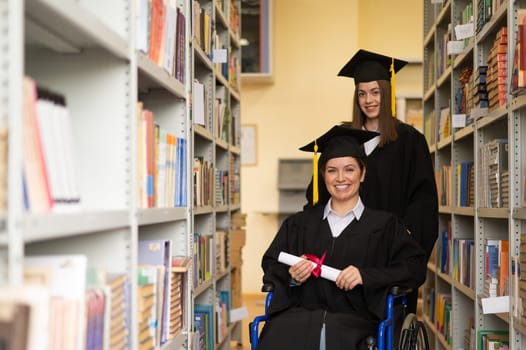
400 179
378 245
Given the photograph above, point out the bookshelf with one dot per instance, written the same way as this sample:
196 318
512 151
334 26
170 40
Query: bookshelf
217 158
99 109
474 123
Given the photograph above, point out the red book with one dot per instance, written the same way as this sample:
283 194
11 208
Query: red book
156 29
38 191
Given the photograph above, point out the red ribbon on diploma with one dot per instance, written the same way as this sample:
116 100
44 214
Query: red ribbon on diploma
316 271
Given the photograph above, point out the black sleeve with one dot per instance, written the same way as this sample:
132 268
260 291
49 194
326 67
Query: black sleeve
406 266
278 273
422 212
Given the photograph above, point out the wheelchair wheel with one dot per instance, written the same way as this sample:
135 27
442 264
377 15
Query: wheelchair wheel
413 335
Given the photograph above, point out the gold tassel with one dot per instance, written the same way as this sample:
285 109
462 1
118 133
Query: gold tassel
315 175
393 88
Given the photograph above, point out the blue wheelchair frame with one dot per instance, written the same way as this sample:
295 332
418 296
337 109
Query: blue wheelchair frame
385 334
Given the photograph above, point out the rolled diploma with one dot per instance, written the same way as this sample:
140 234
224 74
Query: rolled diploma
327 272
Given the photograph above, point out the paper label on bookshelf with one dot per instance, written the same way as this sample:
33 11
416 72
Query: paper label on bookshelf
455 47
459 120
496 305
238 314
219 56
437 1
463 31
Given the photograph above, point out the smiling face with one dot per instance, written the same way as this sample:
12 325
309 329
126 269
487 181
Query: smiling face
369 97
342 178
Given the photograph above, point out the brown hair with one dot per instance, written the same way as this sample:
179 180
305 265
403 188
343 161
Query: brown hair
386 123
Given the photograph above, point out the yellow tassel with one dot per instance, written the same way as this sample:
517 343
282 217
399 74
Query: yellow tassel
393 88
315 175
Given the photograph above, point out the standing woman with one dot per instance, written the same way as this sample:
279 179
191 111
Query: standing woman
400 175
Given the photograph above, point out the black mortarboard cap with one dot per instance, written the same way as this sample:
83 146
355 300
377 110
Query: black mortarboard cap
339 141
367 66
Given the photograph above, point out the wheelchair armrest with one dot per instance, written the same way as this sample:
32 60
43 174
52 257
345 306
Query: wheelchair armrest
267 287
398 291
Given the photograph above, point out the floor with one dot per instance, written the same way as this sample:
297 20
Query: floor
255 304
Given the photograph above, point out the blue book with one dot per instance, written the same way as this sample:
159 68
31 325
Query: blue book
184 192
444 257
207 311
199 327
464 170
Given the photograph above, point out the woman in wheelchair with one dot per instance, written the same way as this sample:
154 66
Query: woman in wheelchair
373 250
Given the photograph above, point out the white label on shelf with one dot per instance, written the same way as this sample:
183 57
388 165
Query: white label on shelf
219 56
239 313
455 47
459 120
437 1
463 31
496 305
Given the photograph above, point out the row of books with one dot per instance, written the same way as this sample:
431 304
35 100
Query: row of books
49 178
161 294
464 262
203 28
496 267
497 70
519 61
443 320
443 181
472 93
235 180
430 128
444 249
161 164
203 182
443 57
211 321
211 185
428 305
485 339
444 123
209 255
224 127
199 107
519 282
222 115
160 28
477 92
63 304
485 10
465 184
494 175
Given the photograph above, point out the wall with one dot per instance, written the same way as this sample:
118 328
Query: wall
311 44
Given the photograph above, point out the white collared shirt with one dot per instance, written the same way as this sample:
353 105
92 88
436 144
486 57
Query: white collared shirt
338 223
370 145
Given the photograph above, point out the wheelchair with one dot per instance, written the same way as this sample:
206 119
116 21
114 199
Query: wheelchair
411 334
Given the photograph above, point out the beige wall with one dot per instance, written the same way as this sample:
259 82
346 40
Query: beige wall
311 43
